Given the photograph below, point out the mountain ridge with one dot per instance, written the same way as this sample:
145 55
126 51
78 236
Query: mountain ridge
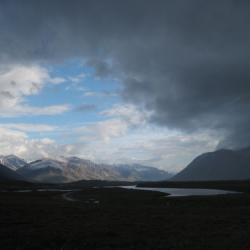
70 169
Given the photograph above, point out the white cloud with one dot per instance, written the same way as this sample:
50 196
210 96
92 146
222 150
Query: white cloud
29 127
128 113
119 120
57 80
76 82
16 142
78 78
18 82
26 110
103 131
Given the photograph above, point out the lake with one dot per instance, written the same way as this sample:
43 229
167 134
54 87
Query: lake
173 192
176 192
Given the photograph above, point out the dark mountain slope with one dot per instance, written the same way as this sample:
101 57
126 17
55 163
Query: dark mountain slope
46 174
218 165
7 174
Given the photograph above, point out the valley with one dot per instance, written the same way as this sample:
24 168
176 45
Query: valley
115 218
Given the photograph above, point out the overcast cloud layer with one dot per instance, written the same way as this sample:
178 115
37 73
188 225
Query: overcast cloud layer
186 62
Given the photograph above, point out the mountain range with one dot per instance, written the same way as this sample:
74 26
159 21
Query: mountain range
70 169
222 164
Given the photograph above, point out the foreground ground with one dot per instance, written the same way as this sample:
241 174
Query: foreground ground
114 218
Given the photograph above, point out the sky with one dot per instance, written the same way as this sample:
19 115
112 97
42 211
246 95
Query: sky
137 81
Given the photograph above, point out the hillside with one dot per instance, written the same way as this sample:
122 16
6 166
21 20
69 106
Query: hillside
7 174
219 165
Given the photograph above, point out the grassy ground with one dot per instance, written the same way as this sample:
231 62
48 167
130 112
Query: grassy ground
114 218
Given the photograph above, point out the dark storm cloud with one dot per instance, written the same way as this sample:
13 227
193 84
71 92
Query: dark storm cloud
187 61
102 68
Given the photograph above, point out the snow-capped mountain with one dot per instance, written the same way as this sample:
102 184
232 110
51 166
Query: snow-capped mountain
12 162
66 170
69 169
